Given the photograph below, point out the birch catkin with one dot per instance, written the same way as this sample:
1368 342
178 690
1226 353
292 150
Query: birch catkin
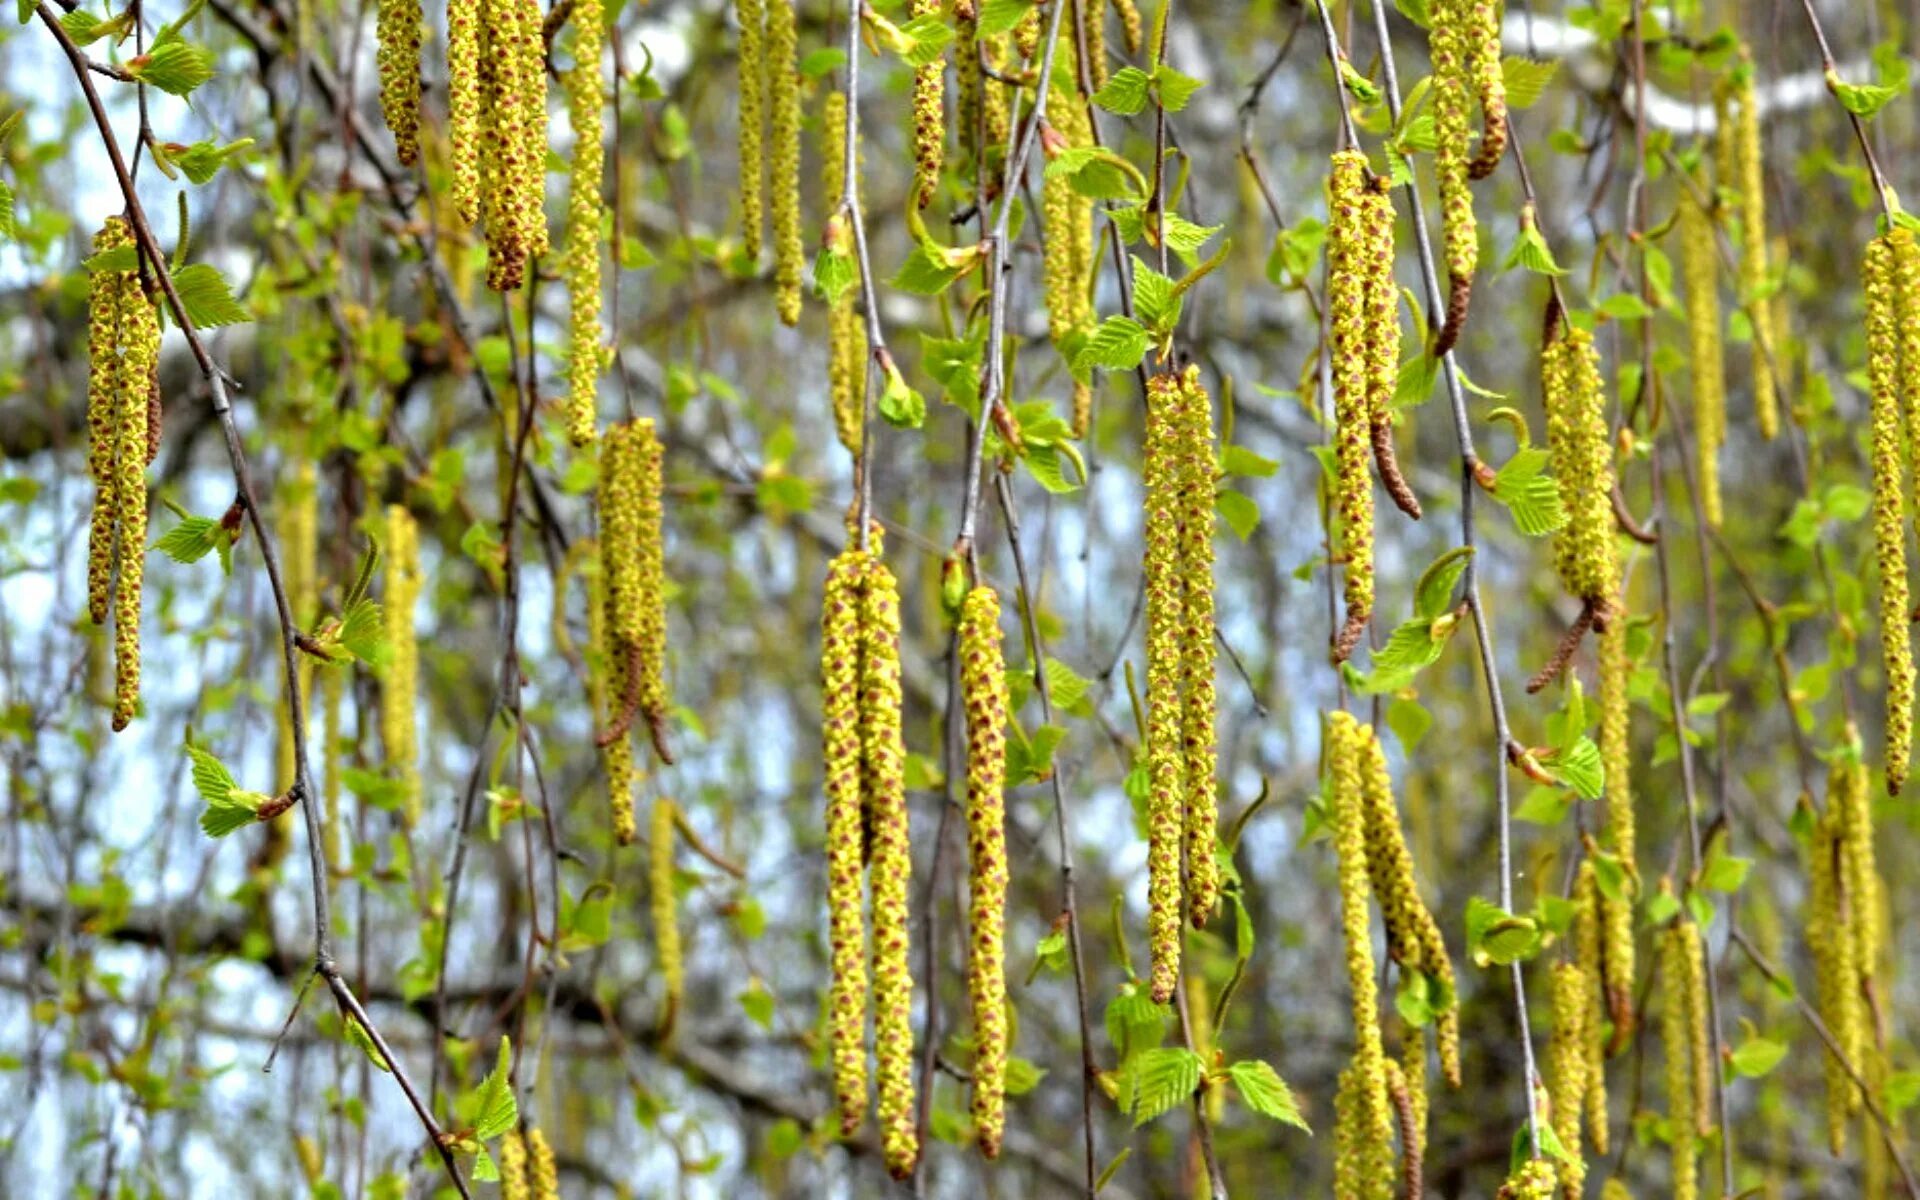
840 701
106 309
663 907
1166 764
846 330
1347 282
1452 89
633 572
929 115
1568 1064
1750 187
1481 29
585 108
1885 375
1615 914
752 15
399 732
1587 954
1584 552
542 1171
1836 970
463 105
1698 266
984 686
607 685
892 865
783 120
1198 701
1677 1038
397 28
513 1166
1372 1122
1383 341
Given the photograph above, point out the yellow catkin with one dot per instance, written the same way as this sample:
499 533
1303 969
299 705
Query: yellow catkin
1906 307
1567 1065
513 85
1614 1189
1166 763
1483 19
846 330
1676 1033
1130 24
633 573
752 15
1584 552
533 123
586 110
107 291
1452 155
1413 936
1093 26
1750 187
299 554
607 684
1373 1124
1587 954
463 105
1698 268
892 867
984 686
399 732
1699 1044
783 124
1382 333
1884 370
513 1166
663 905
1535 1180
1847 790
1836 972
397 28
841 767
929 115
1198 702
543 1173
1067 260
1616 915
1347 287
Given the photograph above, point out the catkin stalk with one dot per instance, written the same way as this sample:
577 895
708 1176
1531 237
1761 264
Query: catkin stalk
106 311
984 686
585 106
783 109
1615 916
840 701
1587 954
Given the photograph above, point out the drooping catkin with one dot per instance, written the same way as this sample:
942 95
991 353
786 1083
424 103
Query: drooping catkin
106 312
543 1173
1860 872
1483 19
846 330
1535 1180
513 1166
585 107
752 15
1906 307
1615 914
463 105
1130 24
1584 551
397 28
1413 935
1383 341
1835 969
1067 260
1677 1038
1587 954
1452 160
1698 268
1348 275
929 115
1093 28
1198 700
1373 1123
984 686
892 866
663 906
1567 1065
1750 187
1885 372
840 734
513 87
1166 763
607 683
399 732
1699 1045
783 126
634 573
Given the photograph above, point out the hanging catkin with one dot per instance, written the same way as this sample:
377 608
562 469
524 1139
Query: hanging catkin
1198 701
397 28
399 732
1067 261
1166 763
1535 1180
1677 1037
607 684
1567 1065
123 347
633 572
1413 936
984 686
783 122
463 105
846 331
1749 186
1481 29
1383 341
1372 1124
1587 954
840 734
663 906
513 1166
1584 552
513 84
1130 24
1906 307
929 115
892 865
1698 267
1452 90
1349 272
585 105
1886 374
752 15
1093 28
1615 914
543 1173
1860 872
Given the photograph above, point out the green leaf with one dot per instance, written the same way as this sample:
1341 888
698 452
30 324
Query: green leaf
1044 463
1863 100
1756 1056
228 807
1154 299
190 540
1125 92
207 298
1000 16
1135 1024
1266 1093
818 64
174 66
1184 237
834 274
1497 937
1175 89
1544 806
496 1111
362 633
1434 595
7 229
926 272
1530 250
1532 496
900 404
1160 1080
1238 460
930 36
356 1035
757 1002
203 160
1116 344
1526 80
1725 872
1580 766
1624 306
1239 511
